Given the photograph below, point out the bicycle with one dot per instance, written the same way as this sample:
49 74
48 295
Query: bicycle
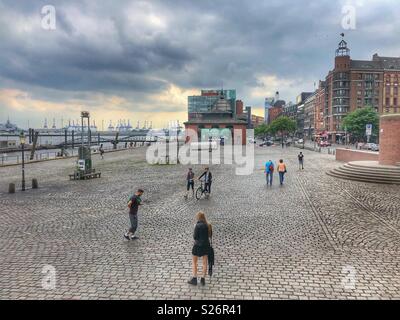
201 191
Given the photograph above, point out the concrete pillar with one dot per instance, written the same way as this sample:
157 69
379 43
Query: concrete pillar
11 188
35 184
389 139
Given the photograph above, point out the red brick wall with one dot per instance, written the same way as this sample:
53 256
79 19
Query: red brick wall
274 113
347 155
243 128
389 141
239 107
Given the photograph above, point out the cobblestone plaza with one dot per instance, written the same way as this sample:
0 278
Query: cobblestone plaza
315 238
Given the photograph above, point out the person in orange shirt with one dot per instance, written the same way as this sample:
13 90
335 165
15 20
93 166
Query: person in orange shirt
281 170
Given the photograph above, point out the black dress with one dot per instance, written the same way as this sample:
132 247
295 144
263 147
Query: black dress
201 246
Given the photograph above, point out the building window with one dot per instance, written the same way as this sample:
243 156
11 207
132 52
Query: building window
387 104
395 102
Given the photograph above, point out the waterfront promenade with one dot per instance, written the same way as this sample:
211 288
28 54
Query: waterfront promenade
315 238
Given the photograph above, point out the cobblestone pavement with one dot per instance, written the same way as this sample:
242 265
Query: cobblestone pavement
315 238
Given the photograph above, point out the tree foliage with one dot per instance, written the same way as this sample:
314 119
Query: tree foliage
282 125
261 131
355 122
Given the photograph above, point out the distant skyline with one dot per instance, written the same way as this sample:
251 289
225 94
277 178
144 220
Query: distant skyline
141 59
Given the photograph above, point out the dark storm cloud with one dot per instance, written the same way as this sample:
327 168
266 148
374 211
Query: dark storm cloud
140 47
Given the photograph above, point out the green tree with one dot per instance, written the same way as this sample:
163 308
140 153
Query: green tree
261 131
355 122
282 126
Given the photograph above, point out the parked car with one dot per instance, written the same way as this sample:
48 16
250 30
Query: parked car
300 141
267 144
373 147
324 144
370 146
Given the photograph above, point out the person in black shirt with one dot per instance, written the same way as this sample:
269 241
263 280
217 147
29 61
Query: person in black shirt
101 151
134 202
190 182
301 161
201 247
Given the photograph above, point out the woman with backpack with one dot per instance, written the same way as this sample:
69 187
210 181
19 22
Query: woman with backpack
201 247
281 170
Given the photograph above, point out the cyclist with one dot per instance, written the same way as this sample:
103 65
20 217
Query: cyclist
207 180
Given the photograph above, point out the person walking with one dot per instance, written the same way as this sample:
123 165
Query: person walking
207 180
189 182
134 202
101 152
201 247
269 172
282 171
301 161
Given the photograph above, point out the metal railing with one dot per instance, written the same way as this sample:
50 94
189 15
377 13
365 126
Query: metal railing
51 155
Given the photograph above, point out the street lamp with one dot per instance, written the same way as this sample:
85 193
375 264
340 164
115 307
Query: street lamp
178 131
22 142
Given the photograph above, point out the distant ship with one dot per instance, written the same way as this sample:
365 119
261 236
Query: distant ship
9 127
78 128
123 126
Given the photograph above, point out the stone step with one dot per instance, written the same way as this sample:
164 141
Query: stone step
360 179
371 172
366 175
372 168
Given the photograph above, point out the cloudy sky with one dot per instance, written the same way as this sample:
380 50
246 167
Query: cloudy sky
141 59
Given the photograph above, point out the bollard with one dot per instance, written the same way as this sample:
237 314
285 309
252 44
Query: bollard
11 188
35 184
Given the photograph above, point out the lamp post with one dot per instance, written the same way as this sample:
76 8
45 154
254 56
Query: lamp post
22 142
178 131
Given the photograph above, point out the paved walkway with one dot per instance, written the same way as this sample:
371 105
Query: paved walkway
317 237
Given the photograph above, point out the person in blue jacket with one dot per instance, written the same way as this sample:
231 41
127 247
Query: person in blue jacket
269 172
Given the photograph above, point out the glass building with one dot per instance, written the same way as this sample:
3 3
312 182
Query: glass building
209 98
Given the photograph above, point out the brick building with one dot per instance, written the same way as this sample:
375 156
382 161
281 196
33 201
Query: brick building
257 120
309 117
319 107
274 113
213 114
354 84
